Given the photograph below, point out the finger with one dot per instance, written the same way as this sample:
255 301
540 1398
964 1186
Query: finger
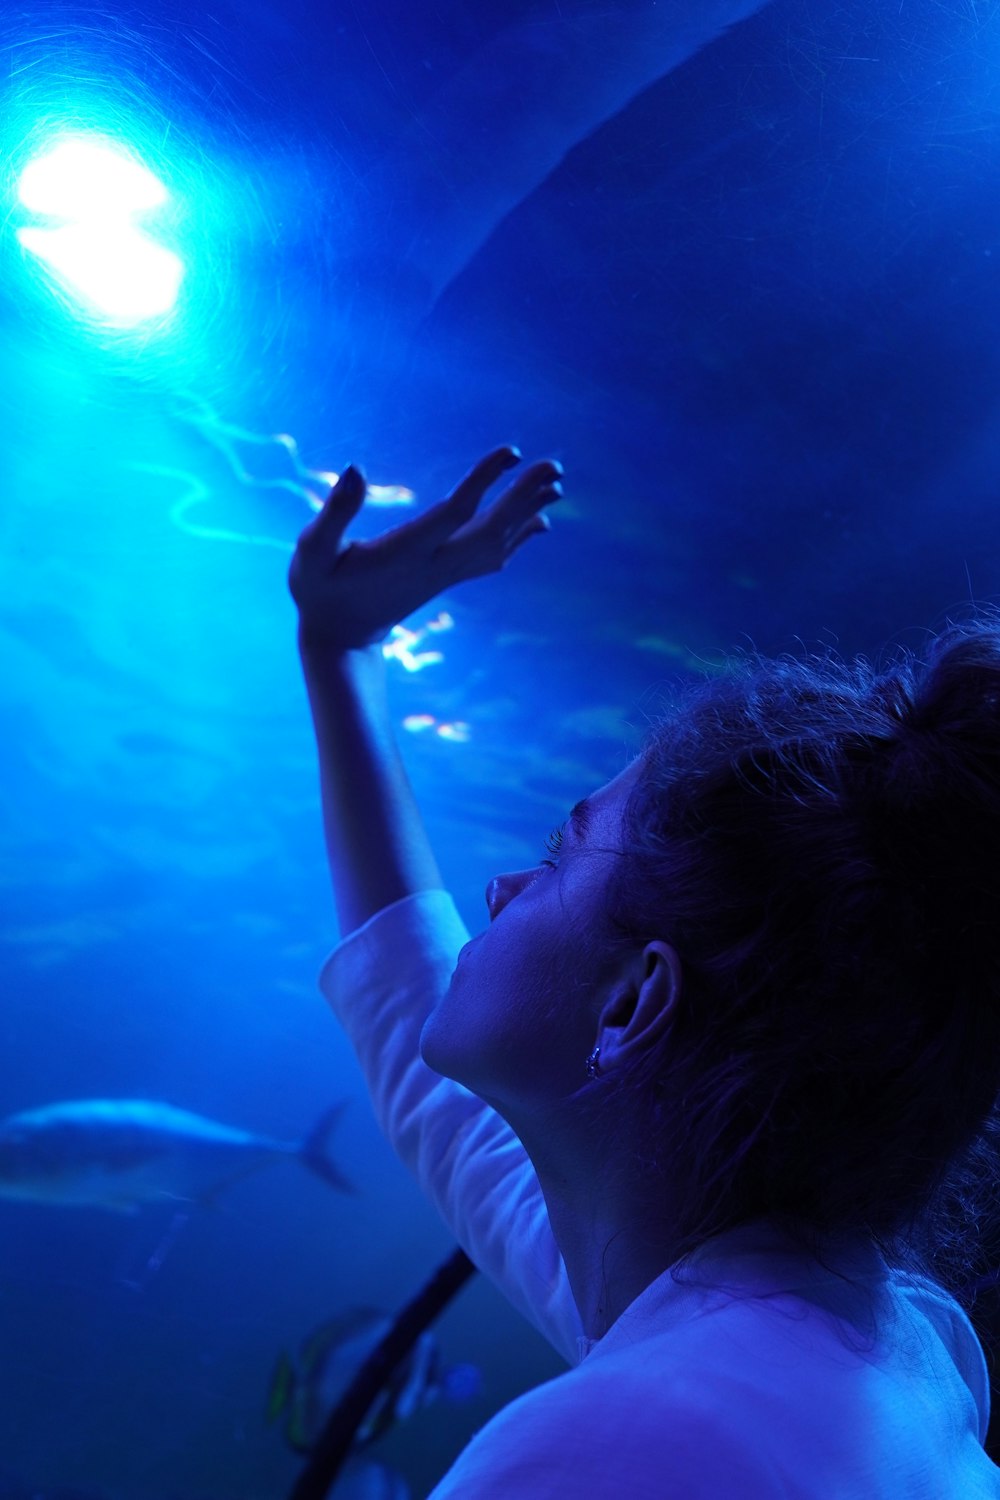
438 523
535 487
339 509
539 485
525 499
469 492
537 526
518 531
485 545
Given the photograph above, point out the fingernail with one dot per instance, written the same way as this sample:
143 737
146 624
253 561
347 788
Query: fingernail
513 455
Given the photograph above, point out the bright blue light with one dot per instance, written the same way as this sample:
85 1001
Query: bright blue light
99 254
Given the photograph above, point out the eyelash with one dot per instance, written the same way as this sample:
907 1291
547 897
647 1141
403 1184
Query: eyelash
553 844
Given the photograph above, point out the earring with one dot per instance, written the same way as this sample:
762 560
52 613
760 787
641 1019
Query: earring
593 1065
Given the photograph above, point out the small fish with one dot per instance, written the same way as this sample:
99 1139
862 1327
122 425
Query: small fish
307 1390
122 1153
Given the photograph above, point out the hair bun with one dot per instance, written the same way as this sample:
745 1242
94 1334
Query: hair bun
959 694
934 811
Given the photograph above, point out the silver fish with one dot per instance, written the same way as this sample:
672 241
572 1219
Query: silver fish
122 1153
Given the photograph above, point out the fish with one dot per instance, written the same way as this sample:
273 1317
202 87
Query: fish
304 1391
122 1153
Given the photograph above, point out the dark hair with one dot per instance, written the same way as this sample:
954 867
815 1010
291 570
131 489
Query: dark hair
820 841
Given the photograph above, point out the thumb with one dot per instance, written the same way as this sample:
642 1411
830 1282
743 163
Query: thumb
339 509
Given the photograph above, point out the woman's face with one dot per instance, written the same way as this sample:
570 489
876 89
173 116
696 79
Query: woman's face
518 1019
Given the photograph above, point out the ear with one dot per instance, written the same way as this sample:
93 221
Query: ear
640 1011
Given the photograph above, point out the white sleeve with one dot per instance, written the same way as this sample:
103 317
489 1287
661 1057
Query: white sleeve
382 982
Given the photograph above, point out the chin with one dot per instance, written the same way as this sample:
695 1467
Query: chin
433 1043
446 1045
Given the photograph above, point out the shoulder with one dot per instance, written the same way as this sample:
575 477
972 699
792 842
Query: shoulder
591 1432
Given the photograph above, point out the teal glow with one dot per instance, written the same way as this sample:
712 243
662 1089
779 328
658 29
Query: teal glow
98 253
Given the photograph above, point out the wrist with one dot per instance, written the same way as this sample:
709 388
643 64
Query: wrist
319 643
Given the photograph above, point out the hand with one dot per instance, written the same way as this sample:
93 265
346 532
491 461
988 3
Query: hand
351 596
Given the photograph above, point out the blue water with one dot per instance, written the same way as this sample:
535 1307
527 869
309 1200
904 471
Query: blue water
749 297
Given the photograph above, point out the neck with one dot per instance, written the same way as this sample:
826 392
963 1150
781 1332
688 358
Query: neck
600 1217
608 1265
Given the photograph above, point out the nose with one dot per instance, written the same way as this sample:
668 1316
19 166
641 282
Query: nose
503 888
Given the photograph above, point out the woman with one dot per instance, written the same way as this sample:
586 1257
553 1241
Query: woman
710 1098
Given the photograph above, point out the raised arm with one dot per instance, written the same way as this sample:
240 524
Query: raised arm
383 981
377 847
349 597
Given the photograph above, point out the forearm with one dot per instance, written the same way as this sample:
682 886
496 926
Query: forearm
376 843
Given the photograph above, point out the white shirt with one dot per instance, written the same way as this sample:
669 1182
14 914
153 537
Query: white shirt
754 1373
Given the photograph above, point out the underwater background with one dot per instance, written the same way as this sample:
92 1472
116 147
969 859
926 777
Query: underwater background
737 265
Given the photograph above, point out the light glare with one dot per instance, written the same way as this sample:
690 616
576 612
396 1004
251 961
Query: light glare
88 179
124 276
98 253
